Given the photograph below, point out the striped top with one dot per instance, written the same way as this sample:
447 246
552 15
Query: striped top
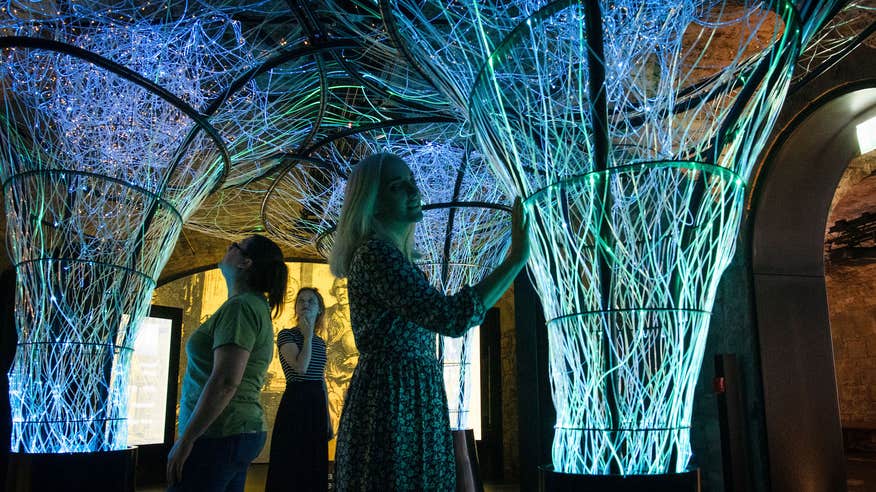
316 368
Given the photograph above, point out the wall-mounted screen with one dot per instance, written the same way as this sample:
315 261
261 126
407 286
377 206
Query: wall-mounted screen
147 400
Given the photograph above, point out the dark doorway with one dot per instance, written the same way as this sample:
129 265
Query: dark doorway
490 445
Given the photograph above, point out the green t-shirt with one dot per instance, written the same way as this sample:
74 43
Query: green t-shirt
243 320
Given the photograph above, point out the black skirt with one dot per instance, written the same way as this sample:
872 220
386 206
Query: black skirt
299 441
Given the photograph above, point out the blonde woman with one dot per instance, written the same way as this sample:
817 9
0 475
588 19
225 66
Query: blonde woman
394 432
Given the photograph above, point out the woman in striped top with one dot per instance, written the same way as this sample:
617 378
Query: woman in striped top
299 443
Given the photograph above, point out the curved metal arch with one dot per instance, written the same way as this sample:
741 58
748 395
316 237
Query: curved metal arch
295 159
786 274
132 76
272 62
305 156
768 157
318 34
376 126
311 30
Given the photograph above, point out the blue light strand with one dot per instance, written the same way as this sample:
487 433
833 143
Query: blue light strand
99 175
629 245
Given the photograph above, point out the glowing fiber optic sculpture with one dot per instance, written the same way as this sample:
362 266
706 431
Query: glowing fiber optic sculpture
831 31
377 62
463 234
638 180
293 97
103 159
631 129
297 97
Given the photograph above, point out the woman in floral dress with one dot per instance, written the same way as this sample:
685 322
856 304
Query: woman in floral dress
394 432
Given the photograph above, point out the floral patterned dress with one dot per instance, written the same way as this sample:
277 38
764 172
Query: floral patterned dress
394 432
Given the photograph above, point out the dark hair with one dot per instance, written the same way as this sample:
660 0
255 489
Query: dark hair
319 317
268 272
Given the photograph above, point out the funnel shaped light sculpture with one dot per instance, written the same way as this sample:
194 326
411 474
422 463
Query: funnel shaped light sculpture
632 132
103 159
463 234
630 128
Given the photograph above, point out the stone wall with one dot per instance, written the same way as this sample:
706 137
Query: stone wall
850 277
510 435
732 331
852 304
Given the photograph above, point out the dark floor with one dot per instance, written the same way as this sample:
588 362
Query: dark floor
861 472
255 482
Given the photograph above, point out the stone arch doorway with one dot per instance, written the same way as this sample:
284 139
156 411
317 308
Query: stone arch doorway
791 207
850 278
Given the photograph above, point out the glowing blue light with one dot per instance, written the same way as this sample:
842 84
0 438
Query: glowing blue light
93 211
636 188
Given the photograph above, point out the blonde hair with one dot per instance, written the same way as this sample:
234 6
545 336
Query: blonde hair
358 219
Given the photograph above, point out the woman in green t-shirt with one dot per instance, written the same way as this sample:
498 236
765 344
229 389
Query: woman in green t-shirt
221 420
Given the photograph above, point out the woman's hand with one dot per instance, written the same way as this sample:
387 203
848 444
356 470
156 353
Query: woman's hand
176 459
491 287
307 323
519 251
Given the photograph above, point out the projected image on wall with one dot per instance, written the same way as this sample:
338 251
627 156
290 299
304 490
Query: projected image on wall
201 294
147 400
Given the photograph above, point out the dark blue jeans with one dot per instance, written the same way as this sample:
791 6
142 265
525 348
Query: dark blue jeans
219 464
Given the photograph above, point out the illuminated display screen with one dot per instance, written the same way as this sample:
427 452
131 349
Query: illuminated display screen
147 398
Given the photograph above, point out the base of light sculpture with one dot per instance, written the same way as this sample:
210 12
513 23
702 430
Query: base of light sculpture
468 475
551 481
104 470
